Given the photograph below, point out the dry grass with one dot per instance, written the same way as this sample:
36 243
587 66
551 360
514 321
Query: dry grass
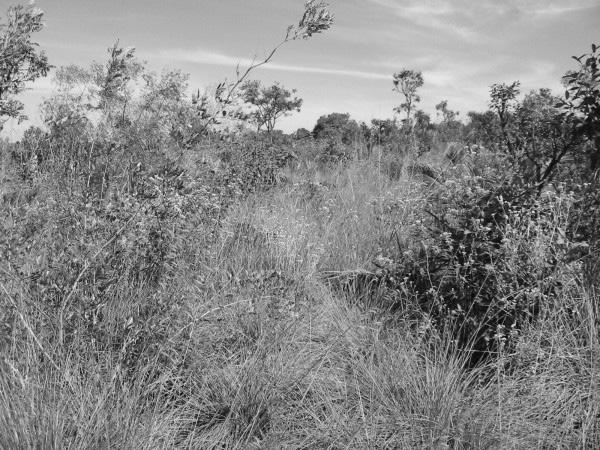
261 353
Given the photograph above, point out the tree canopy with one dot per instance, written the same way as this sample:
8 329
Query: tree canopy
269 104
20 59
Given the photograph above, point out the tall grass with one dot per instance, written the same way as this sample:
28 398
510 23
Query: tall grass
247 344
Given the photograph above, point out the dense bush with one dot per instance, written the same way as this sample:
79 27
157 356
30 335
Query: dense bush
337 127
489 262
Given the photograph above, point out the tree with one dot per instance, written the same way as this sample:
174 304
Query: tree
483 128
447 114
541 137
269 103
302 133
449 129
384 131
423 131
337 127
20 59
503 99
535 134
582 101
406 82
210 109
112 79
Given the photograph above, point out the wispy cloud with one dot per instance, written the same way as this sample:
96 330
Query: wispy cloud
469 20
442 16
554 7
201 56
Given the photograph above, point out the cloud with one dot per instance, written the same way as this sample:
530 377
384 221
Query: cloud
442 16
470 21
200 56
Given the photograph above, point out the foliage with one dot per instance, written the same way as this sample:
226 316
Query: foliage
449 129
20 60
582 101
407 82
384 131
112 80
489 263
502 99
302 133
269 103
253 165
337 127
315 20
541 137
423 132
447 114
334 153
483 128
536 136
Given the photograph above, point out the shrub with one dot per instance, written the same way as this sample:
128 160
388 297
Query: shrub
337 127
491 259
334 153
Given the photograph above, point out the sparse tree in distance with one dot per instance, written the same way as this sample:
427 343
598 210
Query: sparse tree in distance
503 99
446 114
449 128
407 82
269 103
20 59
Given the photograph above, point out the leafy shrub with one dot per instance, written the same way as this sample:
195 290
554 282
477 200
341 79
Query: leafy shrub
490 261
582 101
334 153
253 165
337 127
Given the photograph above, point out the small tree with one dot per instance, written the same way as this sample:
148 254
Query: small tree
535 134
337 127
483 128
269 103
209 110
446 114
582 101
503 100
449 129
112 79
20 59
406 82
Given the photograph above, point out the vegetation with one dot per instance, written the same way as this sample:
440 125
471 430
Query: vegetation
407 82
20 61
269 103
169 279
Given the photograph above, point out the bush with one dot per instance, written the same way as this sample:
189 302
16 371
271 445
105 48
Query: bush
337 127
491 260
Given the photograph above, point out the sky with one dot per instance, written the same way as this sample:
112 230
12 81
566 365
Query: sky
461 46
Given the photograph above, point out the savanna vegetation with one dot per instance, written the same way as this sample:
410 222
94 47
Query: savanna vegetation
176 273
